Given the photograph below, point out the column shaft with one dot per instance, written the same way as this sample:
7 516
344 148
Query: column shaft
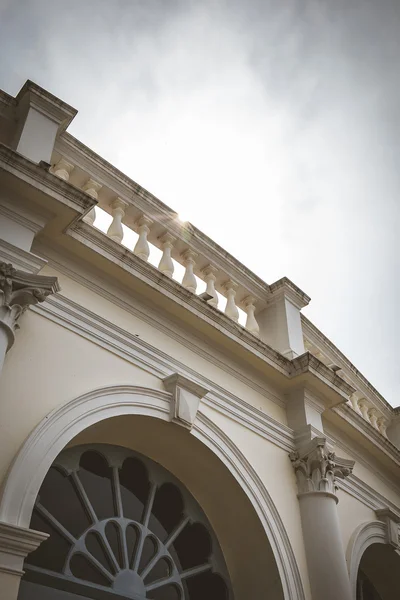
4 341
326 562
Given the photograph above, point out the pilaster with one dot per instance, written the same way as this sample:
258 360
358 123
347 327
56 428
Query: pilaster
280 322
40 118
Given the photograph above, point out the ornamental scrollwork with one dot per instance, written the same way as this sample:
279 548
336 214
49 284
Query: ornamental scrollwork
18 291
317 467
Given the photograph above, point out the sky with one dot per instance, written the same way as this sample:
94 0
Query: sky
271 125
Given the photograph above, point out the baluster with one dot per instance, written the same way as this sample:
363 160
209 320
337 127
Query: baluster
115 231
189 280
354 402
373 417
142 248
231 309
251 323
166 264
364 407
209 273
381 424
63 169
92 188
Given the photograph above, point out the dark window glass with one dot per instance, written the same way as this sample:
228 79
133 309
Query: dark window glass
96 478
193 546
167 511
52 553
135 487
207 585
90 544
82 568
58 495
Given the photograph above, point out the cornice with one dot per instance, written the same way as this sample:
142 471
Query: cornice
312 333
372 434
30 220
22 260
307 362
146 272
80 320
121 297
38 177
285 287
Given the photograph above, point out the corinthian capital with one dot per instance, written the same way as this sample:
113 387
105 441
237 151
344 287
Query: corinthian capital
317 468
18 291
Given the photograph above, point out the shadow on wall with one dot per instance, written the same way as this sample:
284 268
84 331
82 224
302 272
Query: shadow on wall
379 574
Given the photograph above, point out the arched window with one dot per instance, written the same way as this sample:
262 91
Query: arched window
120 526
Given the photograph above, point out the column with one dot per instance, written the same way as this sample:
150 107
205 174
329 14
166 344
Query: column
15 545
18 291
316 468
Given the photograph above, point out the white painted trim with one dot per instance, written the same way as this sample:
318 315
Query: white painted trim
370 433
317 338
80 320
153 360
21 259
64 423
122 299
357 488
366 534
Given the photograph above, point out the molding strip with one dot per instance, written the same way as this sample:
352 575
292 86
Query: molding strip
70 315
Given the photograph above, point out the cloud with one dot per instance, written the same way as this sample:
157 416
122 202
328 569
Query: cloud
274 126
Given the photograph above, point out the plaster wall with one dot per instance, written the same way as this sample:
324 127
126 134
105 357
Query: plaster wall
178 343
50 365
352 513
371 472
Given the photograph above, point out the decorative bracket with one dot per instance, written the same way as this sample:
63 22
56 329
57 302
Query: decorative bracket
18 291
392 520
186 396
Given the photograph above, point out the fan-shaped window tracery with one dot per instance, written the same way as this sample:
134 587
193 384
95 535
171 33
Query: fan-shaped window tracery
121 526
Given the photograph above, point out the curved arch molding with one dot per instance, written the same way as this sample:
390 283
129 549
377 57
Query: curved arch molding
384 531
58 428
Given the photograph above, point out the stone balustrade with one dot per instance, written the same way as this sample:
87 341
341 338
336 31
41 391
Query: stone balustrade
174 240
358 402
202 264
369 412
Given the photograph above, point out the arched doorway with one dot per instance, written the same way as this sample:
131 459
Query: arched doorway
121 526
379 573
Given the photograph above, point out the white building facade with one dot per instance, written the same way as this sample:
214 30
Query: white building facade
172 427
